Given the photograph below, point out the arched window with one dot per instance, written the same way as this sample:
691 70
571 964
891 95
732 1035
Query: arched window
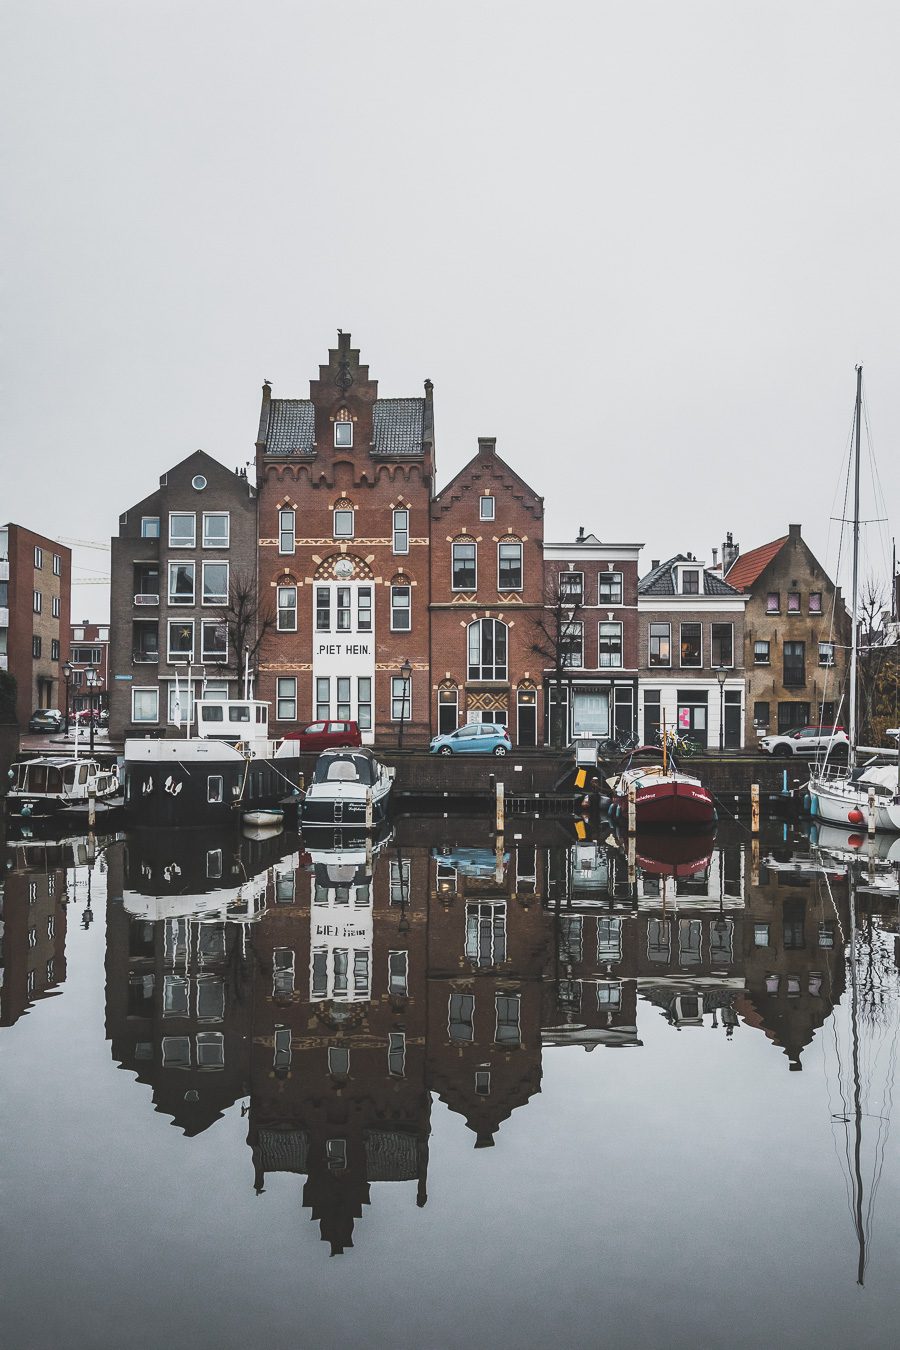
487 650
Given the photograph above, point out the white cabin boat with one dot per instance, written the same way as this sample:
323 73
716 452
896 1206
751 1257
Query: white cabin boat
52 785
350 788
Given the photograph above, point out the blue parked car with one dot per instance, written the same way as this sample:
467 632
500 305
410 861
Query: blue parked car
476 738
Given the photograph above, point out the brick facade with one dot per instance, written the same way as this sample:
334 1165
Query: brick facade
35 602
88 650
792 600
600 580
345 480
487 592
686 637
155 609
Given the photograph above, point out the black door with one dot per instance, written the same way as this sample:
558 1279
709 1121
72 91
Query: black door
527 724
732 721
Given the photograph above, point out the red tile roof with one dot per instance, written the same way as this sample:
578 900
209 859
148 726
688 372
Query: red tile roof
748 567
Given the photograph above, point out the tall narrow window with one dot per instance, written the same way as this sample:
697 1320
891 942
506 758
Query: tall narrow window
610 645
507 1032
323 609
794 654
37 601
286 530
509 567
364 702
773 602
286 698
815 602
54 606
343 431
38 557
660 650
401 699
486 508
287 609
722 645
691 644
793 602
213 641
461 1018
181 583
401 620
464 567
364 609
487 650
398 973
401 531
215 583
571 645
396 1053
323 698
343 698
344 612
571 587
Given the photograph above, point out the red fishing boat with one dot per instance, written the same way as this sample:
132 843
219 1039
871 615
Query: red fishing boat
663 794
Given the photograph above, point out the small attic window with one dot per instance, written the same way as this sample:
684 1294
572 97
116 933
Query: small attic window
487 508
198 482
343 430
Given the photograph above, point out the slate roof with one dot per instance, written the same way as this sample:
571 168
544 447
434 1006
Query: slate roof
661 581
749 566
399 426
292 427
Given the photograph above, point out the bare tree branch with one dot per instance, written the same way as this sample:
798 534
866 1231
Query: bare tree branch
247 618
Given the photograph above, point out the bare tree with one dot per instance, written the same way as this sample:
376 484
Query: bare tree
557 636
874 656
247 619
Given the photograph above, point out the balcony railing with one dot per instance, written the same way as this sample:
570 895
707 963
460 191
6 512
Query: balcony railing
147 598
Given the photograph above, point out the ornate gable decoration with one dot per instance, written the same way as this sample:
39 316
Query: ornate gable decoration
335 568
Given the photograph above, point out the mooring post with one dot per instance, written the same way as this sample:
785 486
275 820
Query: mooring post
368 808
754 808
498 860
632 809
871 810
632 860
499 815
754 860
92 806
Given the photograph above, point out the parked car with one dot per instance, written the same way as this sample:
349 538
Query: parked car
806 741
45 719
476 738
325 735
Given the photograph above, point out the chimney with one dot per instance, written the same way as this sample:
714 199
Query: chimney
794 532
715 557
487 445
654 564
580 539
730 553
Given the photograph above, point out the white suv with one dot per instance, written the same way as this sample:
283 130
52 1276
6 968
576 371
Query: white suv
807 741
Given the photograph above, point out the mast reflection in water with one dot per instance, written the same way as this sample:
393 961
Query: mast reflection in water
330 996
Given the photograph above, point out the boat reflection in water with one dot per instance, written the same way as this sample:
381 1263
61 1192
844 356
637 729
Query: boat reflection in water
333 991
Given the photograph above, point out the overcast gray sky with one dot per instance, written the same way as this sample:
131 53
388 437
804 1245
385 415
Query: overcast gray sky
643 244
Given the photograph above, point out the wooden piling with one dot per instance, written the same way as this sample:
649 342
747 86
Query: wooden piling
754 808
369 809
499 805
871 810
632 809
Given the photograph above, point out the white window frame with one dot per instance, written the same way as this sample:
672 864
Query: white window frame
212 780
511 543
179 656
611 665
345 424
218 597
153 690
183 515
190 566
659 665
217 515
727 665
54 606
38 557
286 698
398 970
344 511
37 602
463 543
757 659
400 529
609 577
407 610
487 507
571 630
565 593
287 528
509 998
57 565
404 699
213 657
286 611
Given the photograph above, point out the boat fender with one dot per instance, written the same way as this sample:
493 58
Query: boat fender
855 816
807 803
813 804
26 809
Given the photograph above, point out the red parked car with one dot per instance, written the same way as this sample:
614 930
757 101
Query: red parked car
322 735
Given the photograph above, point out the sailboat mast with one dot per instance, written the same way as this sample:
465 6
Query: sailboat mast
854 641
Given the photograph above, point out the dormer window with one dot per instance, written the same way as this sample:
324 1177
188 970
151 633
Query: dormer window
690 581
343 430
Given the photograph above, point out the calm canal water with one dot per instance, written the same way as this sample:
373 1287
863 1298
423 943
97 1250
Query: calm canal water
260 1092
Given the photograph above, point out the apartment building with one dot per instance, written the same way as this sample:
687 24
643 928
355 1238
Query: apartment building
35 599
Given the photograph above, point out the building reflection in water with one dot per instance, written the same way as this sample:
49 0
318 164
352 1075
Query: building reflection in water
333 990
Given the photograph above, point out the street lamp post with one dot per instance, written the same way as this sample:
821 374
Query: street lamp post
93 681
405 672
721 676
67 676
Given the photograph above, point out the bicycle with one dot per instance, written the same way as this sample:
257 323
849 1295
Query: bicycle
677 744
